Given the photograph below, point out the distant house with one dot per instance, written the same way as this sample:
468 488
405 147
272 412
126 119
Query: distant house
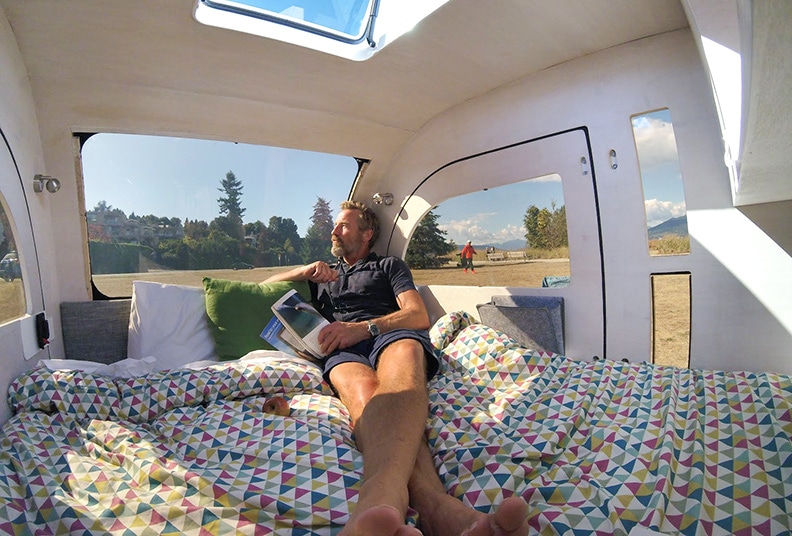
118 228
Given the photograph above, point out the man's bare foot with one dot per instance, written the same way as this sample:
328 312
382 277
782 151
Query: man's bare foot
451 517
383 520
510 519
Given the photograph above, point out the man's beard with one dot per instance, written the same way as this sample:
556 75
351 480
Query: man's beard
337 249
345 249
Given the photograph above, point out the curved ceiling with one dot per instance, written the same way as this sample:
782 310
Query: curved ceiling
116 65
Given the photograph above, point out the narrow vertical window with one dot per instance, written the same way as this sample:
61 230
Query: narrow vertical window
664 195
12 290
670 323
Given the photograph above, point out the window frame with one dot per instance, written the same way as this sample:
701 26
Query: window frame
386 21
239 8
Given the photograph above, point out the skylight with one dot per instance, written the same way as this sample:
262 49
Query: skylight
353 29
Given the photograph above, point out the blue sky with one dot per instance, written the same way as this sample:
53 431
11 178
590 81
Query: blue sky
659 163
496 216
181 178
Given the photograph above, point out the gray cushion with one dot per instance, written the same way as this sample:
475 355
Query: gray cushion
96 330
536 322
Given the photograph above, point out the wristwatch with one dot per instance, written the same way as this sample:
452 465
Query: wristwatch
372 328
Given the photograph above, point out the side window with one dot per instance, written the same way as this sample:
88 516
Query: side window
518 235
670 320
12 290
664 195
174 210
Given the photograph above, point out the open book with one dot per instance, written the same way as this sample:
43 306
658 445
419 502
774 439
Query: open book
295 327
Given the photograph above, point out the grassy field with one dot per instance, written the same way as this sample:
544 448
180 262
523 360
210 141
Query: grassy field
12 300
672 310
506 273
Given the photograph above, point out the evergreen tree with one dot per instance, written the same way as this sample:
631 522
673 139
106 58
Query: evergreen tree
428 247
316 244
531 224
231 211
231 204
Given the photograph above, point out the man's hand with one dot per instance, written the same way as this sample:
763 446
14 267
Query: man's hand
319 272
339 335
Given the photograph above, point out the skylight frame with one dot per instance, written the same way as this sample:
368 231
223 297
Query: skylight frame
386 21
246 10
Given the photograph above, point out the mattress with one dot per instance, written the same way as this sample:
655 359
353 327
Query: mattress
594 447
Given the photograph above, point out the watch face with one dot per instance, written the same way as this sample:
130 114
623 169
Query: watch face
373 329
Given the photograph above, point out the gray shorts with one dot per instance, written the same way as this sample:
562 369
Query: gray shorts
368 351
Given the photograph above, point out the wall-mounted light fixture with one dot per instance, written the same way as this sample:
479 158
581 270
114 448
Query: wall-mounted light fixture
40 182
385 198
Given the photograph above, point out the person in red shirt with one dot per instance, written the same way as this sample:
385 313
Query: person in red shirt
467 257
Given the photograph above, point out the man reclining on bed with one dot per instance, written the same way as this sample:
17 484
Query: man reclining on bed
379 360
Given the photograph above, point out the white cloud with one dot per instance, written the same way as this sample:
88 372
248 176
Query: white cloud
655 141
659 211
478 229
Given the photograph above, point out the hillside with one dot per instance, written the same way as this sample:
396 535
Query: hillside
674 226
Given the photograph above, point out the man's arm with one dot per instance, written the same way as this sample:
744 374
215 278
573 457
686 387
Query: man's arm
318 272
412 314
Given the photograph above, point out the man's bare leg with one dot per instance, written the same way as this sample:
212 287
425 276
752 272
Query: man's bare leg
389 409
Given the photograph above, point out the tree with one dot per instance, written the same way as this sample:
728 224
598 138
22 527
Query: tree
428 245
557 230
285 241
97 233
531 224
231 211
231 204
316 244
102 206
546 229
196 229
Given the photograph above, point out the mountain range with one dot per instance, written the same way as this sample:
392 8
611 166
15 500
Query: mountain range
674 226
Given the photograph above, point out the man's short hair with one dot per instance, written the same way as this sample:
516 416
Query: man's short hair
367 220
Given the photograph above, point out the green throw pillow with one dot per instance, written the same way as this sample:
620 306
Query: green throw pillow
239 311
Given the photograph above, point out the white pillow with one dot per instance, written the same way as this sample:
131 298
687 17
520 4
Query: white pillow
169 323
126 368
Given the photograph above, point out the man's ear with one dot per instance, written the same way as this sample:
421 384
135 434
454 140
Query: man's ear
367 236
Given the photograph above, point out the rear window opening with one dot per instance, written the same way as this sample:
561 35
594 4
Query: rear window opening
174 210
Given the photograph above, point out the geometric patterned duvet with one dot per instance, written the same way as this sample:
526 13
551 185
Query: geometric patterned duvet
595 448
